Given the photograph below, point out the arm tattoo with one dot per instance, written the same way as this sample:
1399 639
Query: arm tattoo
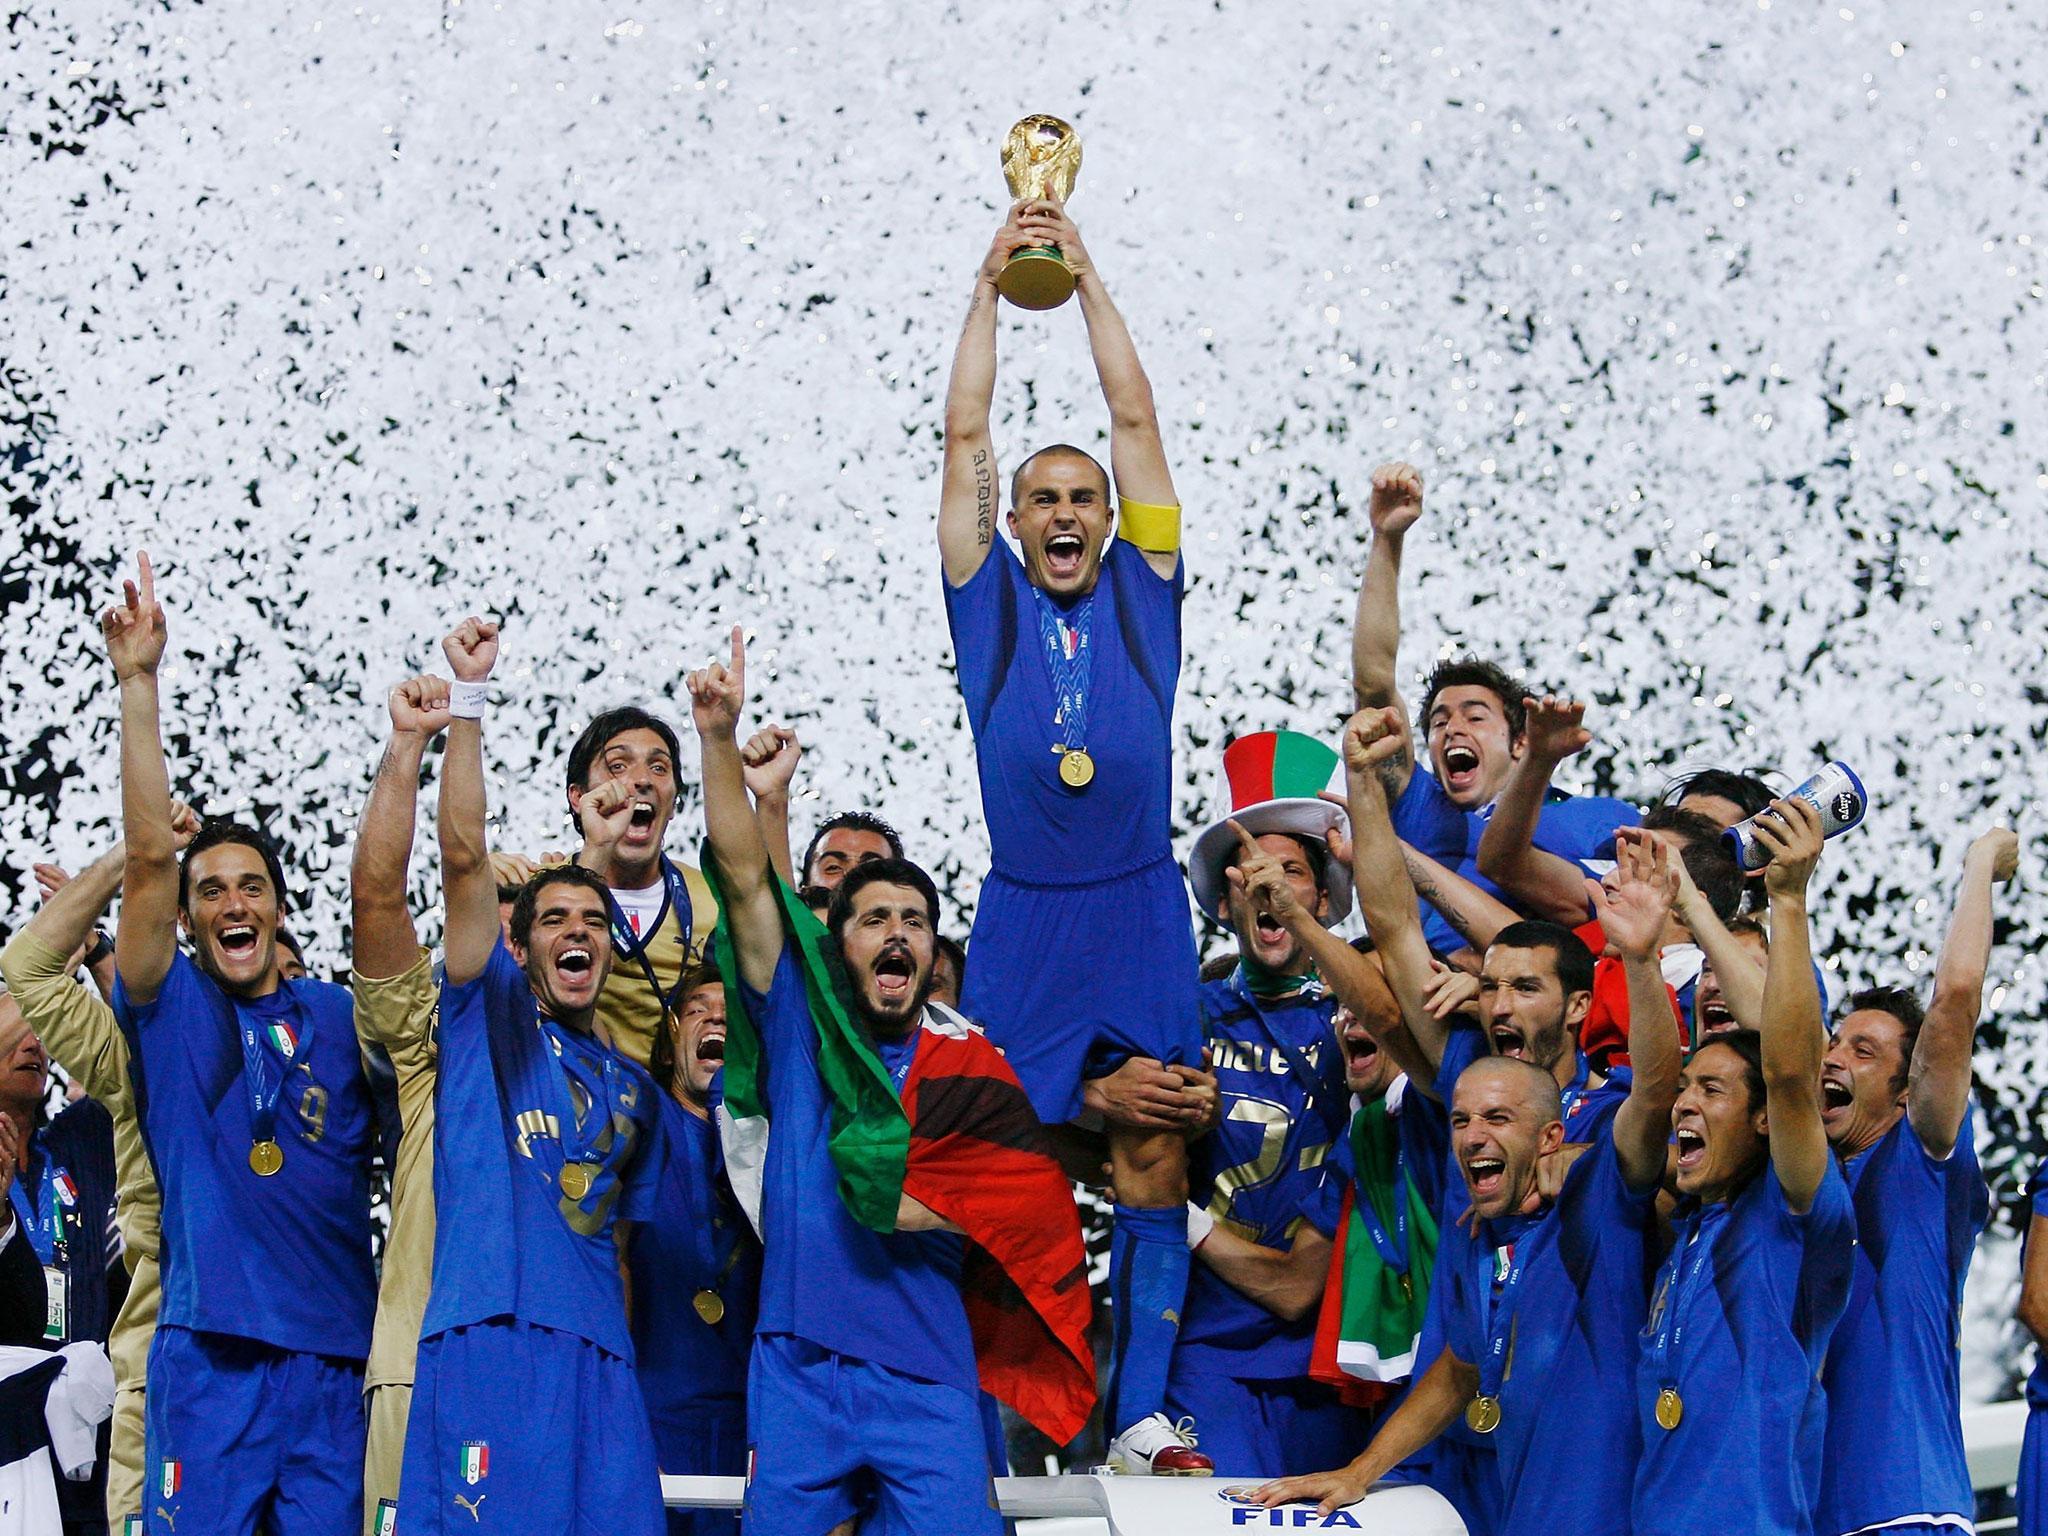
984 499
1431 892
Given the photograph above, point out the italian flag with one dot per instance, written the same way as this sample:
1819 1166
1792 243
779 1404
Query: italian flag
476 1461
963 1141
284 1038
171 1478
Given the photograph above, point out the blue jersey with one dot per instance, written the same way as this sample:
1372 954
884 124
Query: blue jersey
894 1298
517 1098
2037 1205
283 1260
1261 1171
1576 827
1041 830
1746 1303
1898 1450
1567 1441
694 1240
64 1200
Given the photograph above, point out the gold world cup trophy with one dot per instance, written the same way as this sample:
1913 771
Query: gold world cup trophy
1041 157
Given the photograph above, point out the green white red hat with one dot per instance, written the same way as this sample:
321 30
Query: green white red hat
1272 780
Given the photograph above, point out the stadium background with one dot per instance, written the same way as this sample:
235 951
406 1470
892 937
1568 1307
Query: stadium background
1719 340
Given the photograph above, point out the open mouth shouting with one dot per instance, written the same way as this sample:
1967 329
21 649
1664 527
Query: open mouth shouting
1692 1147
1836 1097
642 820
1461 767
1714 1015
1509 1041
1064 555
711 1049
1485 1174
575 963
1269 929
895 977
238 942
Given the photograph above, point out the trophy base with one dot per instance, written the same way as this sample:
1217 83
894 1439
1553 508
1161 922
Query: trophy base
1036 278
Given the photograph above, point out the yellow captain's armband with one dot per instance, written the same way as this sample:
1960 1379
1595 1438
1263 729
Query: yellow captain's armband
1156 530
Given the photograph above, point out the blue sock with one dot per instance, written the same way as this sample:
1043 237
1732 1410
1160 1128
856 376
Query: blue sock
1148 1286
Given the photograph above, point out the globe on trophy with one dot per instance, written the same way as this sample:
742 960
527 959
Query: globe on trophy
1041 157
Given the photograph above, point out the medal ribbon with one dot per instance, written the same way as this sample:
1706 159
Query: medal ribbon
1569 1099
1070 673
263 1098
1681 1273
578 1140
1497 1312
45 1223
626 942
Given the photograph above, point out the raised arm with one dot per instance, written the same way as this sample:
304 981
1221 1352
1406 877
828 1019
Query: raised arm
1373 738
770 758
969 489
1376 629
468 886
1740 974
1545 884
1634 904
749 904
386 942
147 938
1793 1038
1938 1091
1476 915
1137 453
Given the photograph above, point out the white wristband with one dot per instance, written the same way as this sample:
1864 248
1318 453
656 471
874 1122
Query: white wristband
1200 1225
466 701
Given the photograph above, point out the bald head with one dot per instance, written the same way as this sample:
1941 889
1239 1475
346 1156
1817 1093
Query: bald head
1505 1116
1526 1084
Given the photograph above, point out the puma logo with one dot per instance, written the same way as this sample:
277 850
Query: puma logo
167 1517
473 1508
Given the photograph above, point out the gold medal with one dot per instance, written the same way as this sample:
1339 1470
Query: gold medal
1076 768
1482 1414
265 1158
710 1306
576 1179
1670 1408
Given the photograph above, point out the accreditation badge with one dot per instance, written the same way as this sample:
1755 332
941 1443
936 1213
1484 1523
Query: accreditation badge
57 1314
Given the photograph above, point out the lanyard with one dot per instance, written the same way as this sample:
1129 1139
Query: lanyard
1497 1313
47 1230
1392 1248
1328 1102
676 899
263 1096
580 1136
1569 1099
1681 1273
1069 657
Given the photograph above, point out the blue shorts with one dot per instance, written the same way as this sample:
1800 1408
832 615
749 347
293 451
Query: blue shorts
707 1439
239 1435
1266 1429
2033 1490
1072 981
835 1437
516 1428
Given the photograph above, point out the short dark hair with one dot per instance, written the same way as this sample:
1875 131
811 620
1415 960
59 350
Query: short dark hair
1749 1045
1745 791
606 728
853 821
954 951
1901 1005
1708 858
1570 958
1471 672
1314 850
284 937
1055 450
882 872
1750 923
218 831
555 874
818 899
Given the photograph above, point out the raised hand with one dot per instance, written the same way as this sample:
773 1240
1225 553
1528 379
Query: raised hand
1044 221
1634 902
1555 728
1396 498
2001 848
185 824
1791 830
718 693
1012 237
512 868
1449 991
605 813
1258 877
420 705
1372 737
768 760
472 649
134 628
